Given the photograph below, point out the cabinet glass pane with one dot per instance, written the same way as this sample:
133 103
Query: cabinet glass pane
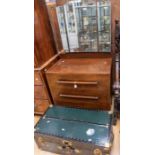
62 27
85 25
104 26
87 28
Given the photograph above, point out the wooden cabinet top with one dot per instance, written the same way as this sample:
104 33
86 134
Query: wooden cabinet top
82 66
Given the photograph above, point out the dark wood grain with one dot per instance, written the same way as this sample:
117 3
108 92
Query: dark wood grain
83 83
82 66
39 92
46 47
40 106
37 79
41 95
115 6
41 88
45 52
44 44
86 55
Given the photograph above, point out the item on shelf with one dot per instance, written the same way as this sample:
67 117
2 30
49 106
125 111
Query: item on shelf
104 37
88 2
87 17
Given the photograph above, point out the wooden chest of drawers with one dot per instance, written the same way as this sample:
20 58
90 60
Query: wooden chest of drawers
41 100
82 83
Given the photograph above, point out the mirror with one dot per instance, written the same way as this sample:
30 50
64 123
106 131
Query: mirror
85 25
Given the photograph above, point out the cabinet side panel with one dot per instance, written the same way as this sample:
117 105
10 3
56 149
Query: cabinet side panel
43 37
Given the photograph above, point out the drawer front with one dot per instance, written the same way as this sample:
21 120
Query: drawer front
85 91
37 79
40 106
40 92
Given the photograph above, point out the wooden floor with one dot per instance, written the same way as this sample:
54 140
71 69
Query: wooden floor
115 148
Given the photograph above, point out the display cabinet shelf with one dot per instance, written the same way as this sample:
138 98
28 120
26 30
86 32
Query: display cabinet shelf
85 25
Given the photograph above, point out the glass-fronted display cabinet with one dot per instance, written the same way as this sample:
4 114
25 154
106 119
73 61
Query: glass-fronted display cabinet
85 25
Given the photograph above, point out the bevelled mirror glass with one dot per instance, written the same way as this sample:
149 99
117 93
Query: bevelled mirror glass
85 25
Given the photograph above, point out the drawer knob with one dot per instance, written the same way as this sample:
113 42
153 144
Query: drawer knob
75 86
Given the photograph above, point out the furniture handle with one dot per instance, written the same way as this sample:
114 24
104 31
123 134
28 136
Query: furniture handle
97 152
69 148
79 96
67 143
78 82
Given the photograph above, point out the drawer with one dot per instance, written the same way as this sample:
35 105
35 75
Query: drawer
37 79
40 106
85 91
82 87
40 92
90 101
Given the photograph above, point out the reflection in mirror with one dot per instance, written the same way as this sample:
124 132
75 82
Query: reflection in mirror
85 25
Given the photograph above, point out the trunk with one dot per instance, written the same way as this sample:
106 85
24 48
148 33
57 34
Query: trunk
60 133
